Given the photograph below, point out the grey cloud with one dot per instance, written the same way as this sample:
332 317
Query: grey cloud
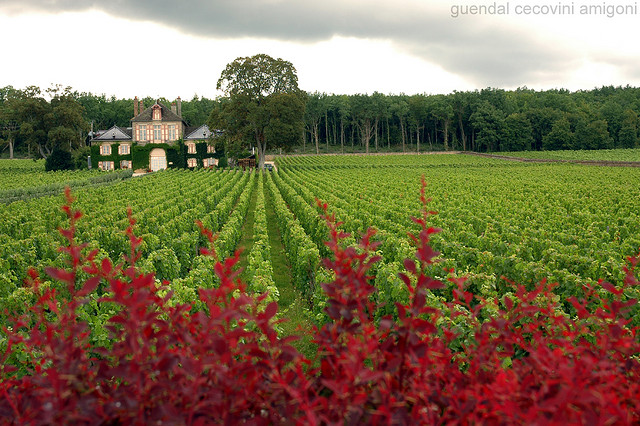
485 55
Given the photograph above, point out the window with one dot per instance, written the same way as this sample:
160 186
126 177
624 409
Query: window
211 149
172 132
156 113
143 132
191 148
192 162
105 149
125 164
124 149
157 133
210 162
105 165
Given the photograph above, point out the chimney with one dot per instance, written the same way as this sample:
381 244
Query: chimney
141 106
173 107
179 107
135 106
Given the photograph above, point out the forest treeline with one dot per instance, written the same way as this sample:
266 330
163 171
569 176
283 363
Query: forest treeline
33 122
487 120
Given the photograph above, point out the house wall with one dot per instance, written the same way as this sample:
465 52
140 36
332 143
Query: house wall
164 129
177 156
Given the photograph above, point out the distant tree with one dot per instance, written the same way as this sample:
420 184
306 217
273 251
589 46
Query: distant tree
8 124
518 134
196 111
64 121
285 125
30 110
399 108
560 136
592 133
442 111
488 122
417 115
314 111
462 111
613 113
253 85
343 109
59 159
541 120
380 108
105 112
628 134
364 114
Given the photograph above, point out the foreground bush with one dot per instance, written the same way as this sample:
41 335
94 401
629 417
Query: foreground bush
527 363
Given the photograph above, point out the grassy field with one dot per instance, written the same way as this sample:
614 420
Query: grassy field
569 223
597 155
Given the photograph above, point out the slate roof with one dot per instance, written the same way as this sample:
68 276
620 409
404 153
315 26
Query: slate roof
197 133
147 114
114 134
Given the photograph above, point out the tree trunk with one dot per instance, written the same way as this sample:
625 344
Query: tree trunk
388 135
375 126
315 136
10 147
42 153
403 134
326 128
366 132
446 135
418 139
353 131
342 135
464 137
261 145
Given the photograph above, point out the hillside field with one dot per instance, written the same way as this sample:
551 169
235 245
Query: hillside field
515 303
569 223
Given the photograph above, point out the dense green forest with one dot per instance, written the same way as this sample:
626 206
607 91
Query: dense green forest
33 122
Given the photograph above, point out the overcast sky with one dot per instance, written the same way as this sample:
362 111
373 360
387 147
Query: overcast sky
175 48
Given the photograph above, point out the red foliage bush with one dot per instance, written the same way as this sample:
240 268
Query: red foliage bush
527 363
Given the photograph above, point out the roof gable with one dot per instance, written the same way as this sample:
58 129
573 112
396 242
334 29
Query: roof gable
166 114
199 133
115 133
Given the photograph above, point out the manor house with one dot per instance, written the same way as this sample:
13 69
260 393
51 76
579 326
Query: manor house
156 124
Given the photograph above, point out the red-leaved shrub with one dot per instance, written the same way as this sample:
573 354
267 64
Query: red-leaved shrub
526 363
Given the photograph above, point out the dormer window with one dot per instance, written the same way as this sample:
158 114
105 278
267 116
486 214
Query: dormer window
157 115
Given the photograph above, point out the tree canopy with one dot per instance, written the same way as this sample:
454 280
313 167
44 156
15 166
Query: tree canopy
30 121
264 104
33 122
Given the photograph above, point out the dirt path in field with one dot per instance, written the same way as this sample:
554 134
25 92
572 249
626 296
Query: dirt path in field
291 302
549 160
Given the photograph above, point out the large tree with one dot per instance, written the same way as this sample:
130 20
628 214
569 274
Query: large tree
8 123
264 103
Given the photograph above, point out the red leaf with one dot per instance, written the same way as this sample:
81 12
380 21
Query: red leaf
508 302
89 286
106 266
60 275
410 265
271 310
611 288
